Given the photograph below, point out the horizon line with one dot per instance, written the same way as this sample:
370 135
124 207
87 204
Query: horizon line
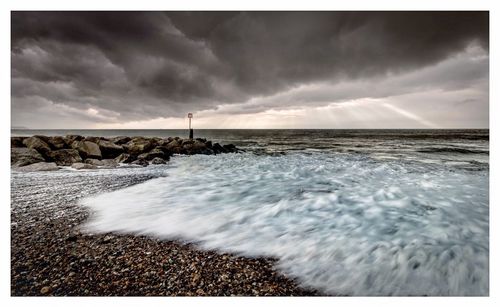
487 128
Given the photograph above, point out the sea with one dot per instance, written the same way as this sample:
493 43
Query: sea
346 212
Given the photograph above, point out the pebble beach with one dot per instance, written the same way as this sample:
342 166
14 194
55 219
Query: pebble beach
52 256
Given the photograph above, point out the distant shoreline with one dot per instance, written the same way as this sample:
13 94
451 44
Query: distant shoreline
272 129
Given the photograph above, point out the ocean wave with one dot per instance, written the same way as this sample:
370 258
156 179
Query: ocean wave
452 150
337 222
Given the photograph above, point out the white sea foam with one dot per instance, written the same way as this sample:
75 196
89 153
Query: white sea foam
343 224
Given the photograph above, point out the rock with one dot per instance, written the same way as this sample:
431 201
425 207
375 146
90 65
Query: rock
199 146
200 292
174 146
187 142
104 163
17 141
43 138
187 149
93 139
125 158
207 151
87 149
163 142
40 166
229 148
158 160
71 238
107 239
120 140
158 152
57 142
109 149
83 166
64 157
24 156
139 145
217 148
70 138
142 162
37 144
165 150
45 290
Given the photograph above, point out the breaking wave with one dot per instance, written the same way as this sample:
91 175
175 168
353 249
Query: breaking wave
343 224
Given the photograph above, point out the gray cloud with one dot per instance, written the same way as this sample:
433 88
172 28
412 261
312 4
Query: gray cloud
143 65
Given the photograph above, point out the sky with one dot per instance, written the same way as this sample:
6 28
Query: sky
147 70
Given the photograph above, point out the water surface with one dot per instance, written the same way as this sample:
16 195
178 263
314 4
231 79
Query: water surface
350 212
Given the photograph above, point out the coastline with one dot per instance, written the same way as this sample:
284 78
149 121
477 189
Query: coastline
51 255
48 247
55 258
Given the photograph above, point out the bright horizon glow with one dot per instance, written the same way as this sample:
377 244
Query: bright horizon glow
451 93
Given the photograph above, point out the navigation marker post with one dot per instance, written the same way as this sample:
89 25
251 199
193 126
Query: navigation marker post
190 115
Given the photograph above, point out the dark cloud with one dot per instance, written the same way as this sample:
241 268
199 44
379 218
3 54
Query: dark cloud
147 64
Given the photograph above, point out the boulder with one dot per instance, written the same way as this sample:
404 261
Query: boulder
105 163
157 152
174 146
24 156
43 138
199 146
64 157
229 148
194 147
17 141
158 160
57 142
120 140
93 139
207 151
87 149
217 148
37 144
109 149
139 145
141 162
40 166
163 142
125 158
187 142
70 138
80 165
165 150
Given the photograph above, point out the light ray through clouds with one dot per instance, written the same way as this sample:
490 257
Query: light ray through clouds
250 69
410 116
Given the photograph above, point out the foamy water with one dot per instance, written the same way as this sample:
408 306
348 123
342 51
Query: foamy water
342 223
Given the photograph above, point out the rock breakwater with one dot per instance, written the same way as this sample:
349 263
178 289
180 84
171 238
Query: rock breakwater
38 152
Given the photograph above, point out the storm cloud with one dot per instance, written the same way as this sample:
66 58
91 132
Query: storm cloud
118 67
